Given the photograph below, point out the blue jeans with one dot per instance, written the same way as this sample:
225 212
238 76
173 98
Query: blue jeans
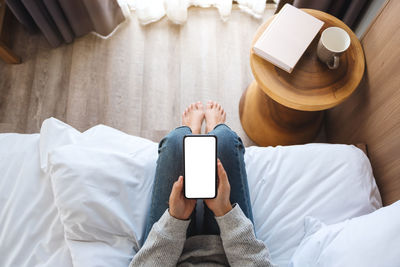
170 167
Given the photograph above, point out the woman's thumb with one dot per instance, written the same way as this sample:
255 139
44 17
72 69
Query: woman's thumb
177 187
179 183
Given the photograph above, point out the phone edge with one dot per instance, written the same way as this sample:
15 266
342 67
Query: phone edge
216 160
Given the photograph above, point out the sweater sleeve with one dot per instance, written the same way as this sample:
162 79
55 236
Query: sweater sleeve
239 241
164 244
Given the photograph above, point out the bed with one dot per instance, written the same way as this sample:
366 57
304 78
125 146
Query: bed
79 199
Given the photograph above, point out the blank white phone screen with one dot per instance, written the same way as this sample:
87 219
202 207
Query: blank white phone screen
200 166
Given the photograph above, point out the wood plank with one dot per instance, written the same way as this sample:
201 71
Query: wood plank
138 81
372 114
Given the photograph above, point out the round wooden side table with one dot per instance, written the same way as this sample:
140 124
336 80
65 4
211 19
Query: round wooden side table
281 108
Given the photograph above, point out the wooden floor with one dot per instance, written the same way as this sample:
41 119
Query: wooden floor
138 81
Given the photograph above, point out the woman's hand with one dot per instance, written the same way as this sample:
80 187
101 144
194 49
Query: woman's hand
221 205
179 206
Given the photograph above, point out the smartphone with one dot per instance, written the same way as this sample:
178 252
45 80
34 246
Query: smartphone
200 166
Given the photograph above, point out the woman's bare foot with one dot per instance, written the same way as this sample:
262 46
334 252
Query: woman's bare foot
193 117
214 114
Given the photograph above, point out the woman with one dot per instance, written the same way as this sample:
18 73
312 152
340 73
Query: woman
228 236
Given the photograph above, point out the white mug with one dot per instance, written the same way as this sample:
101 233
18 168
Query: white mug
333 42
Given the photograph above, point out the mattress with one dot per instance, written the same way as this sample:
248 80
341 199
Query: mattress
329 182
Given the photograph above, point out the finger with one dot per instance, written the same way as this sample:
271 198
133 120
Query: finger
180 183
223 178
221 169
177 188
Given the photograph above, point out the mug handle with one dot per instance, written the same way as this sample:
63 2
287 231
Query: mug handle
335 63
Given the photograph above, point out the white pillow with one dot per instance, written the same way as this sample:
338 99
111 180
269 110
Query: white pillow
31 233
329 182
102 186
53 134
369 240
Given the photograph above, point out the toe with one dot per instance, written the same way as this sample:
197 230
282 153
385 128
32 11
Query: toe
199 105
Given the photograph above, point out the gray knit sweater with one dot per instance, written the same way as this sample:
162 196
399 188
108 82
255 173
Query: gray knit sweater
237 245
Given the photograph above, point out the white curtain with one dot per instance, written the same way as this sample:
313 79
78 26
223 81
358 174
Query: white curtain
148 11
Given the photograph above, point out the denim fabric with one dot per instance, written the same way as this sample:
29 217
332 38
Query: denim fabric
170 167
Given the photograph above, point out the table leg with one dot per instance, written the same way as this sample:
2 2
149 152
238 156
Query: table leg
7 55
269 123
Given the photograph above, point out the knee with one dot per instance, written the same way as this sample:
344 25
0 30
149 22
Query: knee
225 136
174 140
228 142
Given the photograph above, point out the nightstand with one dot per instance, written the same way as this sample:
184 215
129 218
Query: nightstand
280 108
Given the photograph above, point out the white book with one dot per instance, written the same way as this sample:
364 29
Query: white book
287 37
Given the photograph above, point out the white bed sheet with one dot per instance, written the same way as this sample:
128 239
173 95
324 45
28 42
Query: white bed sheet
286 184
31 233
